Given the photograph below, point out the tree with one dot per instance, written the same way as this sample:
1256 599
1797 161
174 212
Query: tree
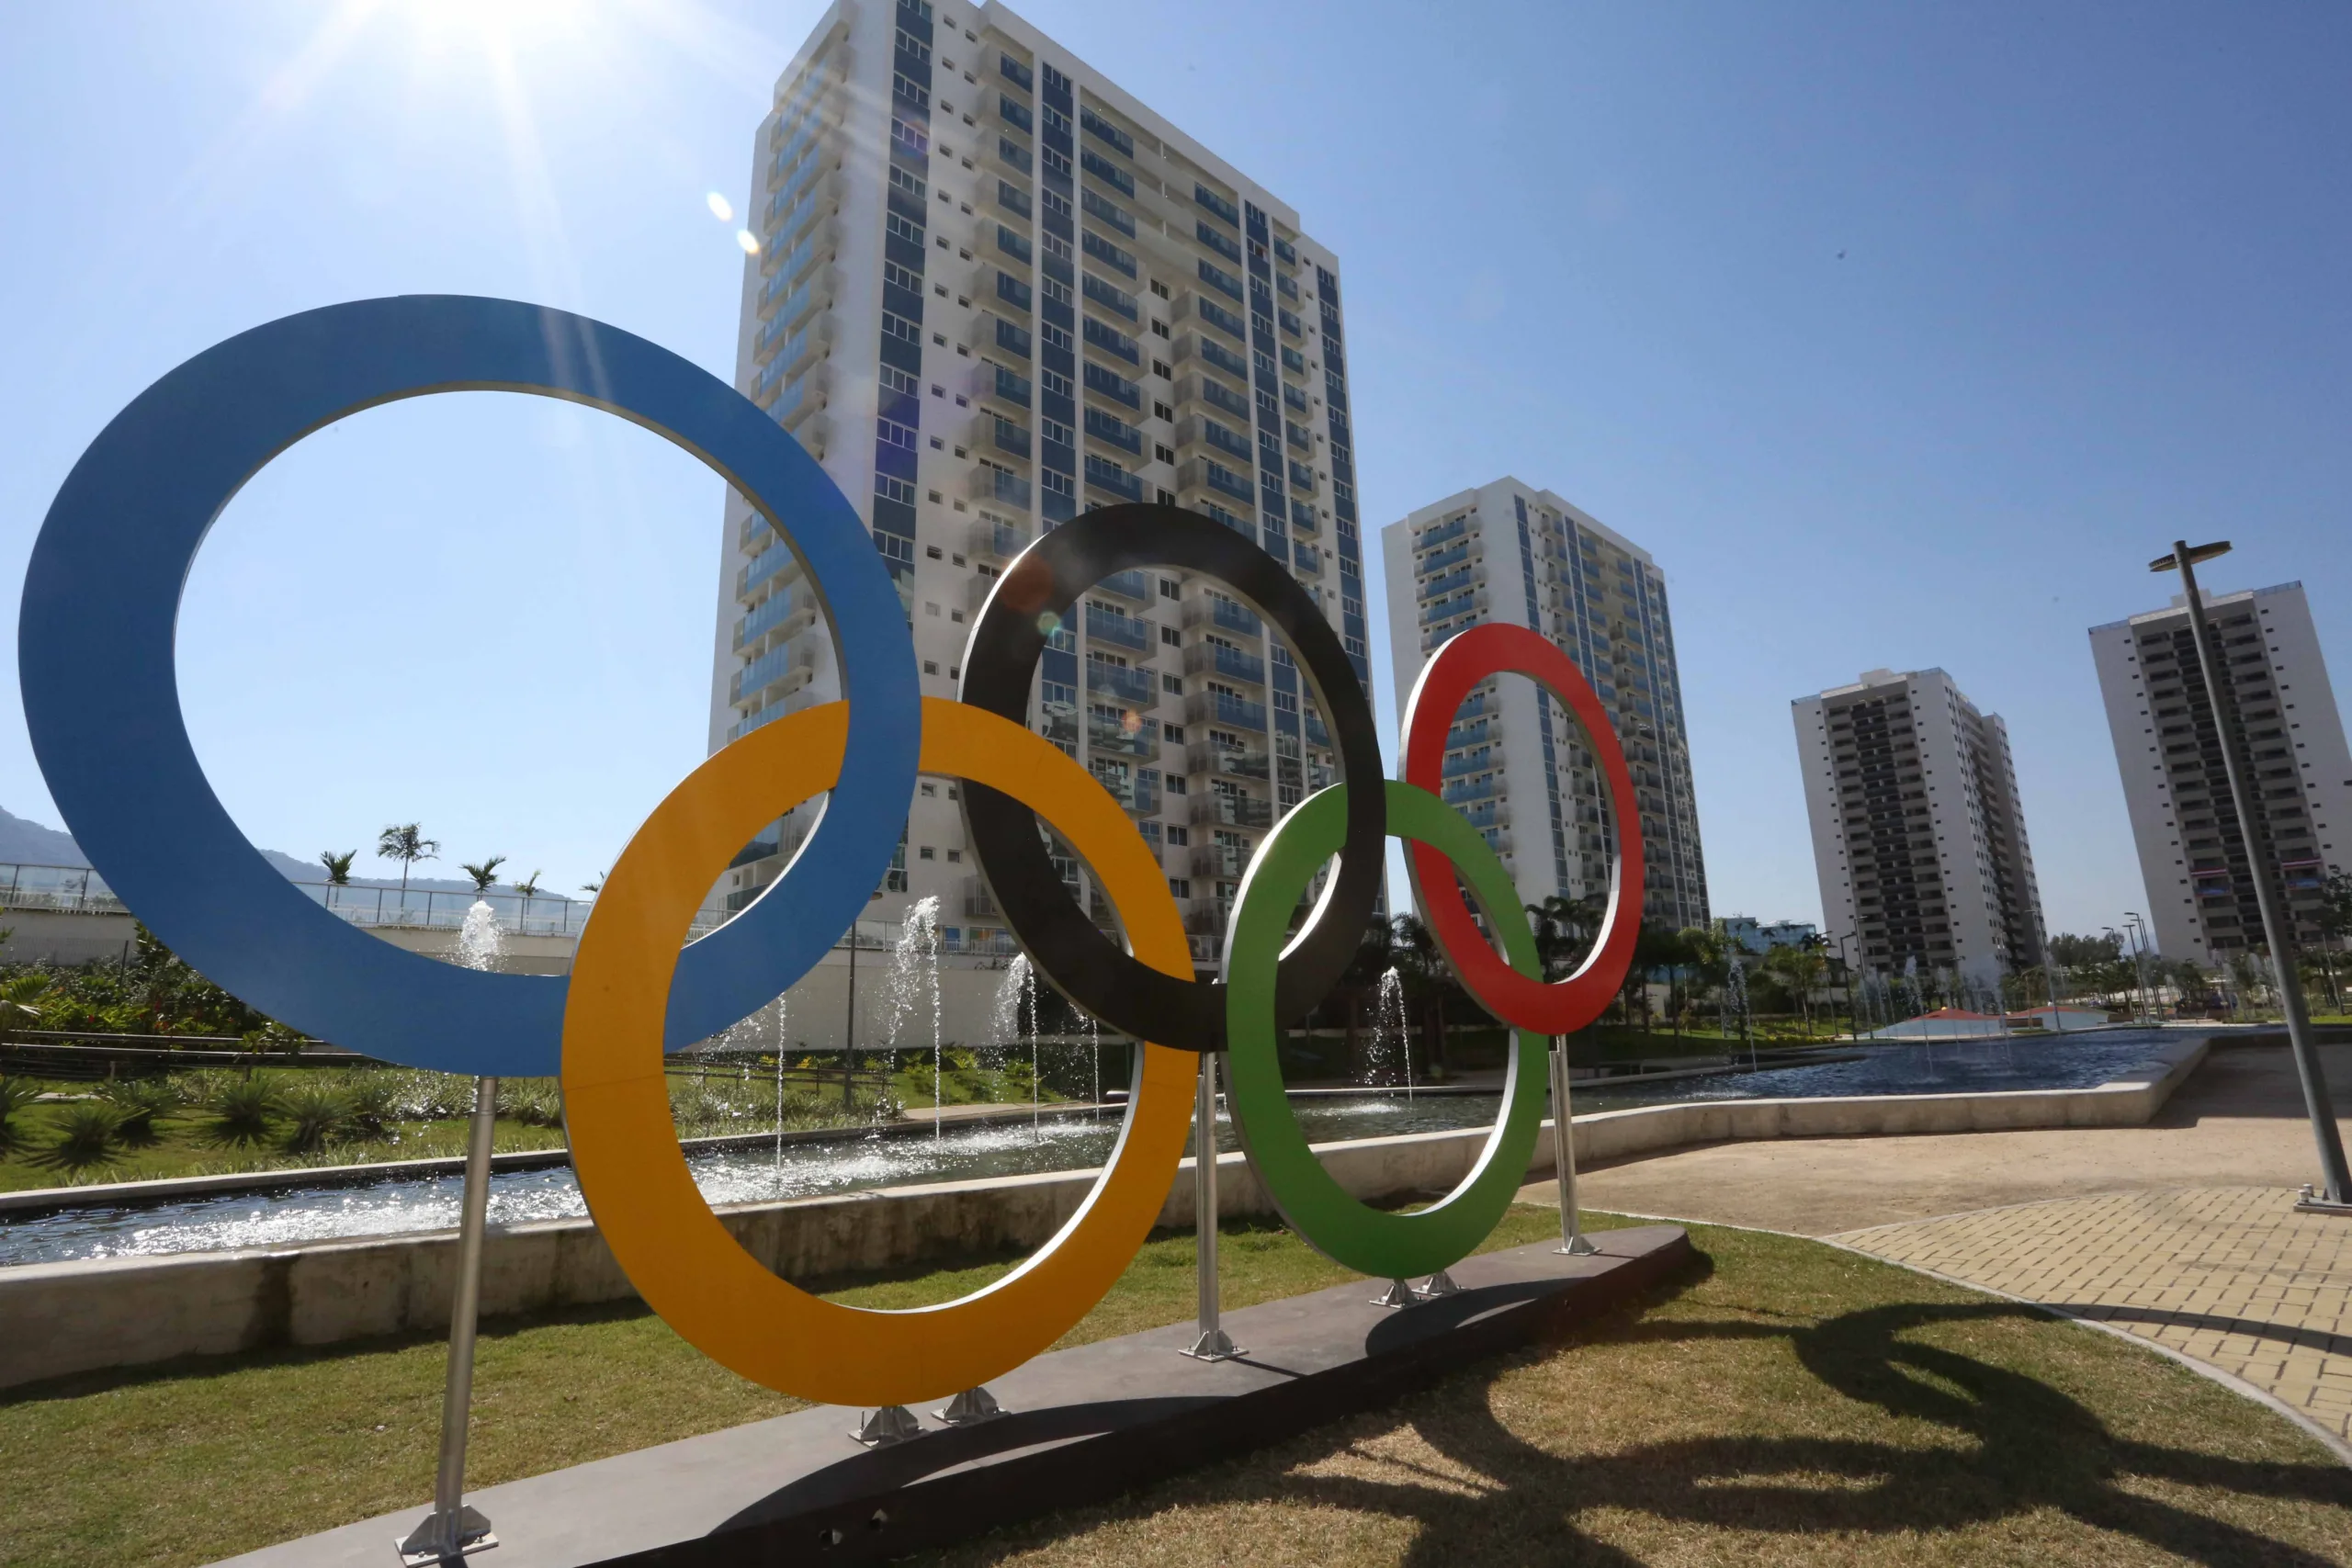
1799 969
483 873
338 864
17 995
529 886
1564 930
405 843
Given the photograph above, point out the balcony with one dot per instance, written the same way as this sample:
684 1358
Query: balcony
1199 349
1004 246
1134 584
1117 629
1207 473
1136 688
1306 557
1192 306
1316 735
1486 788
1114 433
1104 739
1219 864
1199 436
805 396
994 437
978 902
785 223
1000 487
1000 290
1225 710
776 561
1294 399
998 541
1219 658
1226 614
1228 762
777 673
1215 394
814 293
1136 789
1445 534
994 335
1009 391
1302 478
1219 809
1305 520
779 618
1111 479
790 268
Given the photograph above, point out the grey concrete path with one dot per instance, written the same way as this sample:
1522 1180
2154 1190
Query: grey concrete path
2239 1121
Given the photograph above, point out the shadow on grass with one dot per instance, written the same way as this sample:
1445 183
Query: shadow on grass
2012 1446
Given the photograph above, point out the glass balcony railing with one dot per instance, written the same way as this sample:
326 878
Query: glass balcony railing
1458 528
1478 762
992 536
1134 584
997 485
1217 659
1228 613
1316 735
1114 627
1104 474
1136 688
1231 761
1476 789
1217 808
1114 431
1104 739
1224 709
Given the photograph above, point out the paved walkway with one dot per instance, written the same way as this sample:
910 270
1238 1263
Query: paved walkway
2183 1231
2232 1276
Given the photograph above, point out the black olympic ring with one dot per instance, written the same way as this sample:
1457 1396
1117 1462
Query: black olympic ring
1036 593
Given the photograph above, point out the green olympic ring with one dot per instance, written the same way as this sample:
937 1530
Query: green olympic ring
1369 1241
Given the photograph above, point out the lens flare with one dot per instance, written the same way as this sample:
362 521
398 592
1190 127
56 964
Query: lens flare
749 241
720 208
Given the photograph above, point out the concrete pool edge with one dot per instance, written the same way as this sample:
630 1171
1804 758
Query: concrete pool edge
60 1318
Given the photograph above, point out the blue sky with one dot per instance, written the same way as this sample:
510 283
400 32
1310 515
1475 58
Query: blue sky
1900 335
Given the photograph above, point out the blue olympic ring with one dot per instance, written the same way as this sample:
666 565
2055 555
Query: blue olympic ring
96 658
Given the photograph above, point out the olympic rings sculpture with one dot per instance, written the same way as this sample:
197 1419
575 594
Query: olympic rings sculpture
96 659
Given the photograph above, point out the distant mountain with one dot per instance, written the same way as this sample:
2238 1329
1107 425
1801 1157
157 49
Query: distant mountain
24 842
29 843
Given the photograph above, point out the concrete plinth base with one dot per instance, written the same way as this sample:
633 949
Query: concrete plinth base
1080 1426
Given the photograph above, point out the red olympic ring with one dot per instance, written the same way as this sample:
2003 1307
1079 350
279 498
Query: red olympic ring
1560 1007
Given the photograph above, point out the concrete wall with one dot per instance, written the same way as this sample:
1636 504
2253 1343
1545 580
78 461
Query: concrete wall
58 1319
64 937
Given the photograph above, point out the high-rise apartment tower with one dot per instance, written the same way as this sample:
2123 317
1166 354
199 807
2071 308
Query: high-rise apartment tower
1917 836
992 291
2196 862
1515 761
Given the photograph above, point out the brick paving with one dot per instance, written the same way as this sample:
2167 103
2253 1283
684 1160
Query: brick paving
2231 1276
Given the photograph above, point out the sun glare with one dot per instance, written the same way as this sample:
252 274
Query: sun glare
720 208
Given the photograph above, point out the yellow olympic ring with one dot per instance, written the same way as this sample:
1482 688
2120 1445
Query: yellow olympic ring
616 1105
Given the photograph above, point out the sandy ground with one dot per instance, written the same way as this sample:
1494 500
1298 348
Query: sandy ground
2239 1121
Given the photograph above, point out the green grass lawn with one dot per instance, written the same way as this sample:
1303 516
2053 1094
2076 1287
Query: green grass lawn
1782 1402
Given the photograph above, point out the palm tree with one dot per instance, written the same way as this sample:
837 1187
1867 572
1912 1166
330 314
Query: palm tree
405 843
1565 930
17 995
483 873
338 864
529 889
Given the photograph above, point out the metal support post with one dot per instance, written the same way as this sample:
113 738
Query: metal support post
890 1423
1212 1344
1574 1243
454 1530
2277 928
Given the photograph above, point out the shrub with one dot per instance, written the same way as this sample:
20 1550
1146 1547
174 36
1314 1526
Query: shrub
535 1102
89 1133
141 1100
241 1110
315 1116
15 1095
373 1099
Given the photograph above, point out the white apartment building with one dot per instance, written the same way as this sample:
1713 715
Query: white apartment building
1917 836
2192 856
1515 762
994 290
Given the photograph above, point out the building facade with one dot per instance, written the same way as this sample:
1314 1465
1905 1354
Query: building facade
1754 937
1918 838
1515 762
2194 860
994 291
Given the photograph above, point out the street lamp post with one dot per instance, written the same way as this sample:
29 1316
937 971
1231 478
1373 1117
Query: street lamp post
2276 929
2137 924
1845 968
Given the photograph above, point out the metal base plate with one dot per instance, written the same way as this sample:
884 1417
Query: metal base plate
890 1423
1578 1246
1399 1294
1215 1346
2312 1204
432 1543
1438 1285
971 1405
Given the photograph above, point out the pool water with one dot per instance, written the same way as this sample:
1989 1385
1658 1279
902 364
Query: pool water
297 1212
